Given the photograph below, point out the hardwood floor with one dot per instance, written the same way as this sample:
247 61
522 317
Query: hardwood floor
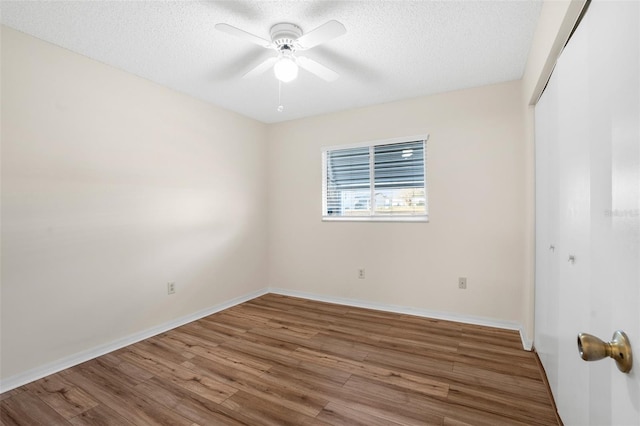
278 360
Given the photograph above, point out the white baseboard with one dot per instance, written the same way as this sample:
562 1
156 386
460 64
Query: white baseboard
527 343
449 316
78 358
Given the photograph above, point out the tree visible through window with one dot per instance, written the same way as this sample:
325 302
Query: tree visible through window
381 180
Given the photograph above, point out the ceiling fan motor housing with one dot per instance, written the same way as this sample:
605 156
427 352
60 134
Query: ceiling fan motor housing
285 36
288 39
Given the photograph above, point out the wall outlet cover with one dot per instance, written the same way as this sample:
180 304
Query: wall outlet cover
462 283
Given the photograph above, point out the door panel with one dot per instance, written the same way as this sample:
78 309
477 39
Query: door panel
588 206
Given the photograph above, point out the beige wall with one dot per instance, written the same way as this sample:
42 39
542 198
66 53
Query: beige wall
475 158
111 187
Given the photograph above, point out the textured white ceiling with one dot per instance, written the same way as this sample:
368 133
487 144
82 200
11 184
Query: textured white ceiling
392 50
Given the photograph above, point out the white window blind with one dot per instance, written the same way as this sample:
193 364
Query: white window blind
384 181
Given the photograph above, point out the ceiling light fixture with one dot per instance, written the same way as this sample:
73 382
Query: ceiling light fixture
287 39
286 69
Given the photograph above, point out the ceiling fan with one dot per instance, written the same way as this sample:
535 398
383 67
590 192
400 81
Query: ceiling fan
287 39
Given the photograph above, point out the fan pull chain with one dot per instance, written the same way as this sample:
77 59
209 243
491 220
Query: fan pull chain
280 107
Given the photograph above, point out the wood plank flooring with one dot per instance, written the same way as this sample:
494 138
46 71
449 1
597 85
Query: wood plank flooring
279 360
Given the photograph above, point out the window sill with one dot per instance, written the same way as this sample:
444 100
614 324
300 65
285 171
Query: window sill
416 218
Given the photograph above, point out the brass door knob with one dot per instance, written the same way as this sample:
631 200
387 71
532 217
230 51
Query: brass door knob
592 348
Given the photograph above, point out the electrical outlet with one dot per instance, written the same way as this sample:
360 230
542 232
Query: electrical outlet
171 288
361 274
462 283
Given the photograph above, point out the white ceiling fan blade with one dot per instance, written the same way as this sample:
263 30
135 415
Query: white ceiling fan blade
324 32
226 28
317 69
261 68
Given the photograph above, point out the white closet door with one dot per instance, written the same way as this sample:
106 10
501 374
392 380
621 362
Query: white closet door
588 207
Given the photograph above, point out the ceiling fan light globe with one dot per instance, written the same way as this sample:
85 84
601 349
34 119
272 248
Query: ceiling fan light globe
285 70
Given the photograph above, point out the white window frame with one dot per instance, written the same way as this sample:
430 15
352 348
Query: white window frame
373 217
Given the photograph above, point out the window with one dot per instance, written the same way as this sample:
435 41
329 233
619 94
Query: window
377 181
